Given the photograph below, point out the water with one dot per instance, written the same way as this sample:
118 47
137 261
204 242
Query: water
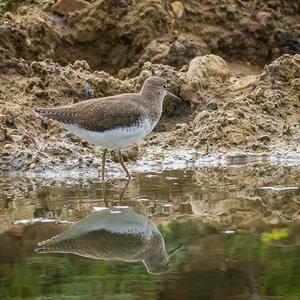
238 225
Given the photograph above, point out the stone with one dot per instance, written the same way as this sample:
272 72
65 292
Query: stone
178 8
81 64
2 134
262 18
129 154
244 83
287 42
8 146
64 7
32 165
210 69
7 149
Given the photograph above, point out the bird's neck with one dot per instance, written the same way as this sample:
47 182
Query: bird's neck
153 102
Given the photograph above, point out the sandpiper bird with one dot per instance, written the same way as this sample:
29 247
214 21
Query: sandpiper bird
114 234
114 122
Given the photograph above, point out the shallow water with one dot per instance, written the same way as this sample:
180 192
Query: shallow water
238 224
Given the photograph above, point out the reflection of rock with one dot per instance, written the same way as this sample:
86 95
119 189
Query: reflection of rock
240 201
117 234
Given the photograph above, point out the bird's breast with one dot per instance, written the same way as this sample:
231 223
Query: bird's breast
117 138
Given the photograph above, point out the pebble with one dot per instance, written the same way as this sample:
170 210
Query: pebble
64 7
178 8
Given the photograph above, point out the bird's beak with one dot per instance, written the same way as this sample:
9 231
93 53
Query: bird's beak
173 96
173 251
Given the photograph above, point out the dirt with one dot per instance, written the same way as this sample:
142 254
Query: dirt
158 31
256 112
51 56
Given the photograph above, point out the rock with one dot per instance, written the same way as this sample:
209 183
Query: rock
210 69
32 166
8 146
262 18
64 7
111 28
130 153
7 149
287 42
283 69
244 83
181 51
252 111
177 52
2 134
81 64
101 32
178 8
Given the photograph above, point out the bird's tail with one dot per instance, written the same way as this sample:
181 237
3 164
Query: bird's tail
46 246
61 114
53 245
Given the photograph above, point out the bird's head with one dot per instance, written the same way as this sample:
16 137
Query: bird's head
159 261
159 85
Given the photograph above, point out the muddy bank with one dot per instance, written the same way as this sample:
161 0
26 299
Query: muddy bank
256 113
59 52
219 112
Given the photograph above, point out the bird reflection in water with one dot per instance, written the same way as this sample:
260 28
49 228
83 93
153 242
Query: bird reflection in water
114 234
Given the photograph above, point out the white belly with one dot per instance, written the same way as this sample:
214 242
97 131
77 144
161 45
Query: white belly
113 139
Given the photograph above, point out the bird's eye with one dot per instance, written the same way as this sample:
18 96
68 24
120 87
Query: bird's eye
165 86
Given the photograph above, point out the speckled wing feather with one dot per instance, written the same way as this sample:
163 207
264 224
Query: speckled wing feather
98 114
64 114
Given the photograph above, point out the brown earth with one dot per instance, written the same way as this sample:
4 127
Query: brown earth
254 111
50 56
111 35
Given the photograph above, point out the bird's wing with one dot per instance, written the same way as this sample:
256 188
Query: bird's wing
97 114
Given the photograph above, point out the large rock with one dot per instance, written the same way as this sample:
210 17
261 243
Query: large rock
210 69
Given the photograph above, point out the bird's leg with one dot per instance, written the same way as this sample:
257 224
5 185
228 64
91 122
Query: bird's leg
103 175
123 191
103 165
121 161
